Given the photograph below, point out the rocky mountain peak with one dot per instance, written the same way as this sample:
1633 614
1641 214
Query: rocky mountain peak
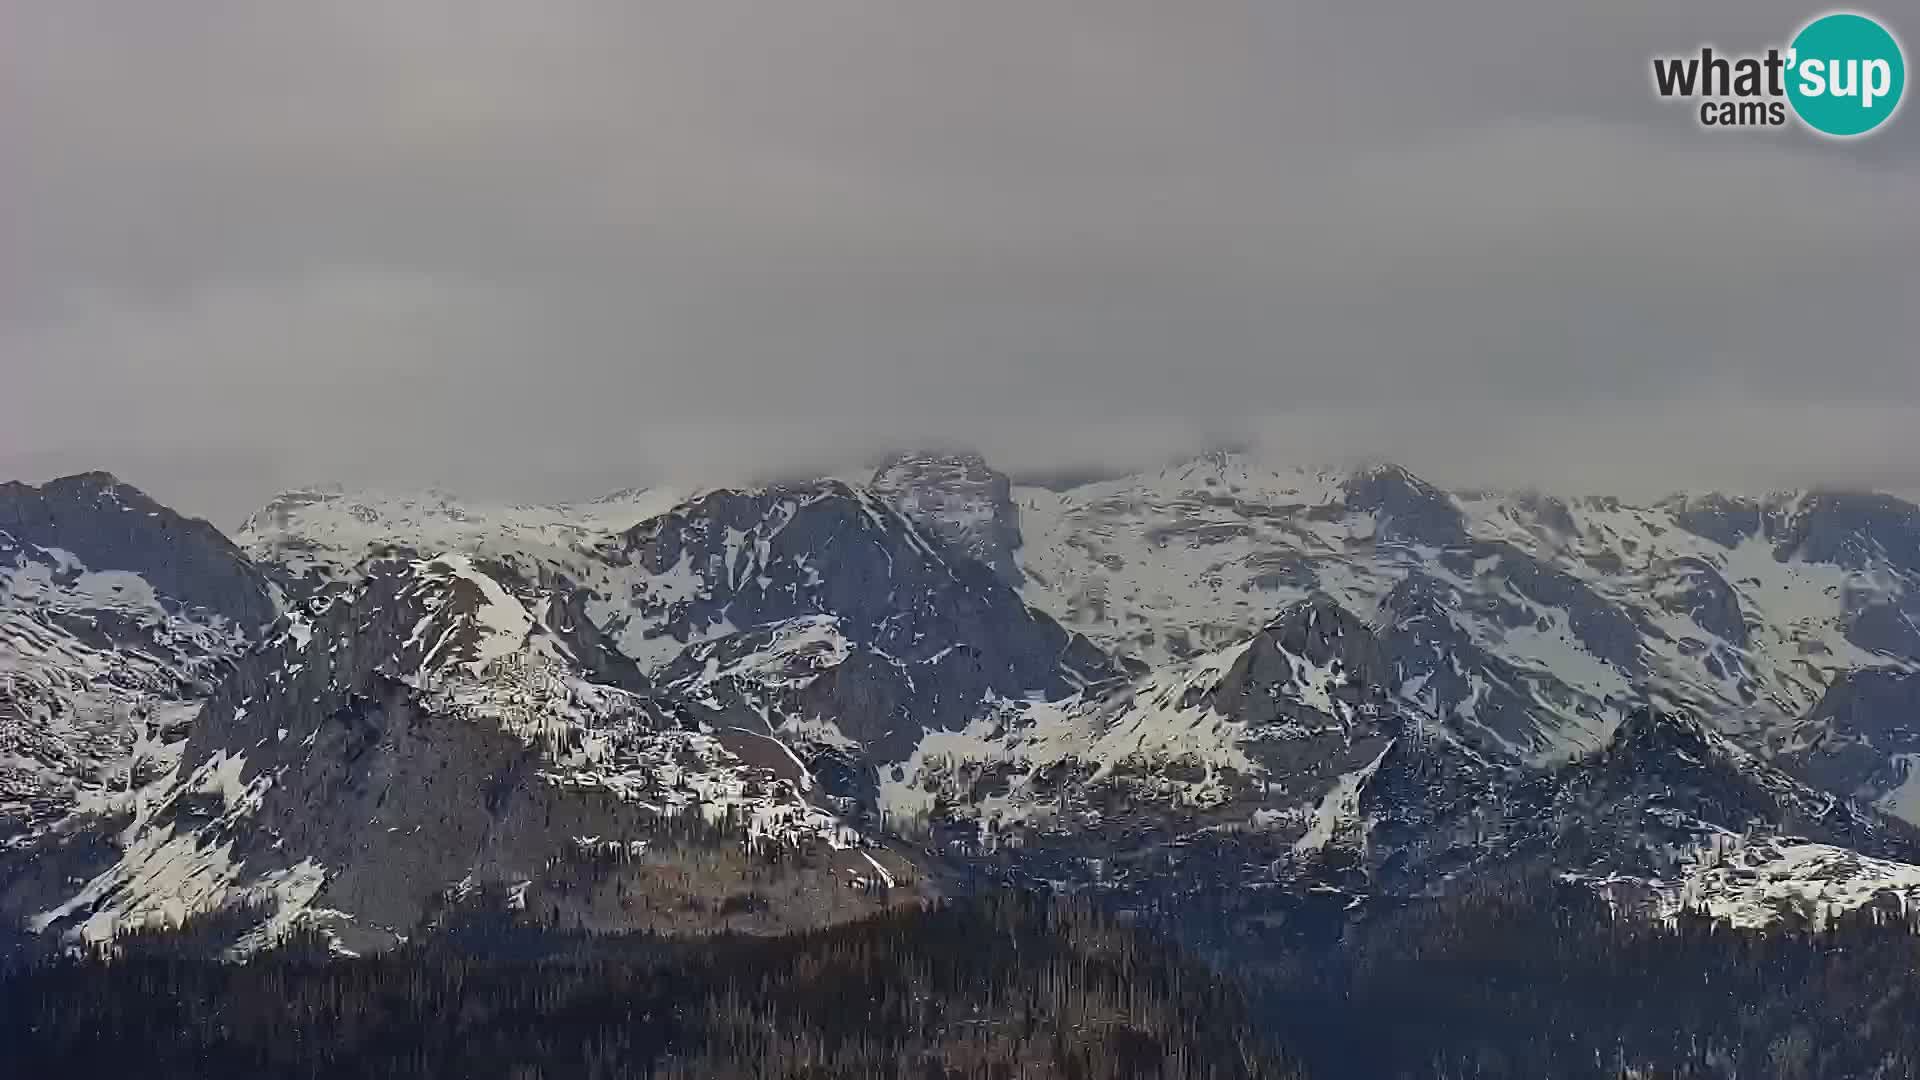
1321 631
109 525
960 497
733 560
1405 507
1657 735
1696 780
1315 656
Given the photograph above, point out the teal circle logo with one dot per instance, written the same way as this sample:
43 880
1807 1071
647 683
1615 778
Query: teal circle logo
1846 74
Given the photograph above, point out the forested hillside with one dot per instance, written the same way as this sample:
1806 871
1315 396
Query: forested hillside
1523 979
1518 979
1005 987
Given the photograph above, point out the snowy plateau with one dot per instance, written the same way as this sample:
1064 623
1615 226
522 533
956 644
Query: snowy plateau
365 712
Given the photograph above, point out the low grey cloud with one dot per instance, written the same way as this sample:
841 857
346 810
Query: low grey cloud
538 251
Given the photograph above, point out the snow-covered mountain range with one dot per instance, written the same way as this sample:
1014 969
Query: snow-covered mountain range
370 708
1553 613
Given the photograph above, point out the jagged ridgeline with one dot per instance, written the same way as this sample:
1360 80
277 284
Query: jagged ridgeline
1224 687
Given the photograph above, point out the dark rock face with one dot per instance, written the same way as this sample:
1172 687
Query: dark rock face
1856 531
334 653
1840 527
1550 511
563 615
1438 809
1662 785
567 620
961 498
1439 664
1600 625
1408 509
1444 666
1722 519
116 616
1848 529
1312 690
39 877
1701 594
1304 701
326 659
110 525
826 549
1437 661
1890 627
873 698
396 800
1671 769
1856 737
304 713
1317 632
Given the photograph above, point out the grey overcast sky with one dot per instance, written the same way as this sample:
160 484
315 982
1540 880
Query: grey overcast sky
541 250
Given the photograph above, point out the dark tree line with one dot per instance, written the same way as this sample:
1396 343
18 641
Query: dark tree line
1519 978
1002 987
1528 978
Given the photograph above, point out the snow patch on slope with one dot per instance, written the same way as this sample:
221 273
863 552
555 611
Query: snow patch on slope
329 531
1760 883
1143 731
1340 806
1904 801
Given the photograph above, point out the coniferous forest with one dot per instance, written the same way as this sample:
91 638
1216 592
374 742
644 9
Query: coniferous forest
1517 979
1009 986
